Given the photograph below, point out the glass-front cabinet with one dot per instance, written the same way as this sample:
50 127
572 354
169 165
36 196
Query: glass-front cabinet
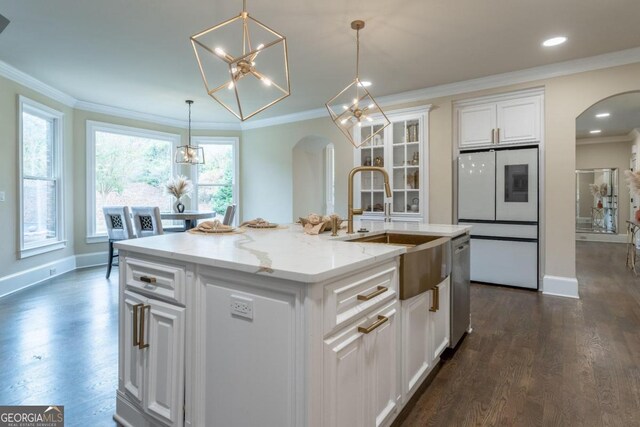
402 149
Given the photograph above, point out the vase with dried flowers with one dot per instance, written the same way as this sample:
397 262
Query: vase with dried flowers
598 192
633 182
179 187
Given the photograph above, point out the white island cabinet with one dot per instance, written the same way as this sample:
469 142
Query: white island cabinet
262 328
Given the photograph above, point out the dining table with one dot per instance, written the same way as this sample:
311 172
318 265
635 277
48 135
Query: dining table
190 217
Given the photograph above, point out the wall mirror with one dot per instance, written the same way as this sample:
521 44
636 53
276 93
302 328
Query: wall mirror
597 200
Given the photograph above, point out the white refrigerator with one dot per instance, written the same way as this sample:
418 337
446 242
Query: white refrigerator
498 196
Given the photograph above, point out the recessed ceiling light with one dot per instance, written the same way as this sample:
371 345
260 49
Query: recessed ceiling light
555 41
595 131
365 83
603 115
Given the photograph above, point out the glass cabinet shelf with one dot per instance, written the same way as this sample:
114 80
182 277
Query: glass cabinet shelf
398 149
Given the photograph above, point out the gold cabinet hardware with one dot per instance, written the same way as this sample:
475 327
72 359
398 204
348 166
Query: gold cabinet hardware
381 319
146 279
498 136
435 305
380 290
136 340
493 136
141 344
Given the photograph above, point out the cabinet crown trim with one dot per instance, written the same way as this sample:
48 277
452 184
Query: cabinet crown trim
499 97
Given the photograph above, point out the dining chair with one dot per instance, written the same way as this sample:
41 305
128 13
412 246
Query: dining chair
119 227
147 221
229 214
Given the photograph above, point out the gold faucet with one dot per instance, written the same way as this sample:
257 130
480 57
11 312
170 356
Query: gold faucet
350 210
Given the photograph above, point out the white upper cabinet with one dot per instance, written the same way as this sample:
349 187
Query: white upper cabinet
476 125
518 120
514 118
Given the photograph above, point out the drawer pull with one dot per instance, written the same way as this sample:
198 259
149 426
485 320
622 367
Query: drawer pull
381 319
379 291
435 305
146 279
141 344
136 339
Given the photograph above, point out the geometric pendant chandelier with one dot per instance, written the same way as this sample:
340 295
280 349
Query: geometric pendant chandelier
189 154
244 64
353 107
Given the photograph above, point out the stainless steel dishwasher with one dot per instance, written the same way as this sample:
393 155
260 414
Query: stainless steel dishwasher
460 289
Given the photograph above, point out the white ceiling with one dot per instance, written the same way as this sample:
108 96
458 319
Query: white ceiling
624 116
136 55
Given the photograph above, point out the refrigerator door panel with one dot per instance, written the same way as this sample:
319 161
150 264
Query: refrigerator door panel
517 185
476 186
505 262
503 230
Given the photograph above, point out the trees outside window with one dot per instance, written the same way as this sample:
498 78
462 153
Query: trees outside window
217 179
129 167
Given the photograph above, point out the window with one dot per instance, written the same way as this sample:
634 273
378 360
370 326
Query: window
216 181
41 210
126 166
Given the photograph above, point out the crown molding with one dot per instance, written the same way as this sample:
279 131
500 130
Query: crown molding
559 69
153 118
607 60
36 85
631 136
286 118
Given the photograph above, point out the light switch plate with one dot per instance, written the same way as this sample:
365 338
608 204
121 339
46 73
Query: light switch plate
1 196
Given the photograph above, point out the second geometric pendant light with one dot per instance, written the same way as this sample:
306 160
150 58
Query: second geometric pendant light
353 106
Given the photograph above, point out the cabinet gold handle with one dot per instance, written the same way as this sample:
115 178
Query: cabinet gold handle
435 305
381 319
498 136
146 279
493 136
380 290
141 344
136 340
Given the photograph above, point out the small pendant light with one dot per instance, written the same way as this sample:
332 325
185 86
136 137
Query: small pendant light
189 154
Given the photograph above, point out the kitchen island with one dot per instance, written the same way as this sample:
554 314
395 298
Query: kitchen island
270 327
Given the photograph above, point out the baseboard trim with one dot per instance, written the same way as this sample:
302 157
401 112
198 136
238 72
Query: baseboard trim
560 286
33 276
93 259
601 237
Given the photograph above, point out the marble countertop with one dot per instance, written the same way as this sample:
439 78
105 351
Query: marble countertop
285 253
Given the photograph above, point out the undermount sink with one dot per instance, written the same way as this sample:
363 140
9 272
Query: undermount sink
425 264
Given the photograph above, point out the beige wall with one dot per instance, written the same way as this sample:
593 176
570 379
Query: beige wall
266 155
609 155
9 209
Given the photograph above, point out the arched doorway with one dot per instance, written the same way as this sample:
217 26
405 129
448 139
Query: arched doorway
607 144
313 177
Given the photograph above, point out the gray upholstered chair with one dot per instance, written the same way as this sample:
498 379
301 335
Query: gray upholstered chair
229 214
119 227
146 220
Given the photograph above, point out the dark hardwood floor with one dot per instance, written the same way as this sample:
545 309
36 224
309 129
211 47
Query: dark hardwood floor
58 345
532 360
536 360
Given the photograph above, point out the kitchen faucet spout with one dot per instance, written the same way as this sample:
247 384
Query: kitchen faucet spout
350 210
